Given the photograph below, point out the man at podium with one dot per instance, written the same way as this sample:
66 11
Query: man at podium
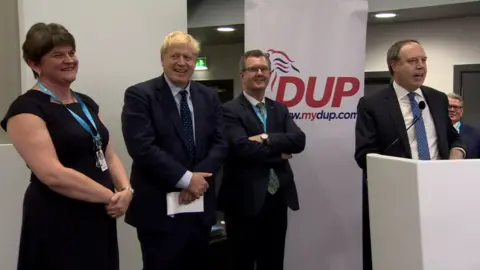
406 120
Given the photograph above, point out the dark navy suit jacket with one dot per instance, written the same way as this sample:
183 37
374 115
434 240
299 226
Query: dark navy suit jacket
380 122
247 167
155 140
471 138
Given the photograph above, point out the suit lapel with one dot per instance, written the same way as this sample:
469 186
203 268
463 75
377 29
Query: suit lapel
251 115
167 102
198 118
438 117
436 113
397 117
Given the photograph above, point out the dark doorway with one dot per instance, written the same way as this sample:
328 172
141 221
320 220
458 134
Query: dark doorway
218 235
466 83
225 92
223 87
375 81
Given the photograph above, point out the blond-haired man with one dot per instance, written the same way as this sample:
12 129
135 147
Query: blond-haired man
173 131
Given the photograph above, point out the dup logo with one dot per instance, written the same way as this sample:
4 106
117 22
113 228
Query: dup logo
285 75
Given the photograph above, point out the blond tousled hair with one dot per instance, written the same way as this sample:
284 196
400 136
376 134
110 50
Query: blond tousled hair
179 37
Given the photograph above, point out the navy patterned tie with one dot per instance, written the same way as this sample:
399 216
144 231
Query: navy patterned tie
186 116
421 134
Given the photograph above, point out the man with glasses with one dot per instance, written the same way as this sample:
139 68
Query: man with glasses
258 183
469 135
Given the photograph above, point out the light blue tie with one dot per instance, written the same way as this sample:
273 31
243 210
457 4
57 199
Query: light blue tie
274 182
421 134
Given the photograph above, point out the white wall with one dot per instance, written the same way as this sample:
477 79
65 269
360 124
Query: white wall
118 45
9 63
225 12
447 43
223 61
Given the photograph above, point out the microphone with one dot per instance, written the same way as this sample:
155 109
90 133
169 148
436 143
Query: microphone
421 106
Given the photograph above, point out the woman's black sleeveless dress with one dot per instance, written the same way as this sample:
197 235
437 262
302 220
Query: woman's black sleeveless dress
59 233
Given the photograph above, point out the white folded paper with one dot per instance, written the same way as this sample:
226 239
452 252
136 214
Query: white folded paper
174 207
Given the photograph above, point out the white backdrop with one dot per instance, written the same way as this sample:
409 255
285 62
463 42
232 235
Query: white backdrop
317 48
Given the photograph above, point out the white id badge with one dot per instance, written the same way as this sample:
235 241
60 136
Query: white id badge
101 161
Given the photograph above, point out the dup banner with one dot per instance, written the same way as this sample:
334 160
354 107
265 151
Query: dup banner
317 50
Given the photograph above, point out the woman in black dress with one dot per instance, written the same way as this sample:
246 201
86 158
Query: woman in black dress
78 186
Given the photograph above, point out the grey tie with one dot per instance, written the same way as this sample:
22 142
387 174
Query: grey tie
273 183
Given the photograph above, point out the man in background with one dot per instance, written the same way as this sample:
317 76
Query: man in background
470 136
173 129
258 183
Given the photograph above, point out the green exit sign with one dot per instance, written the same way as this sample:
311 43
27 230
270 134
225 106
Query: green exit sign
201 63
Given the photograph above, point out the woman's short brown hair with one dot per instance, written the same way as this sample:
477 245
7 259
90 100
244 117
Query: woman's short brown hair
42 38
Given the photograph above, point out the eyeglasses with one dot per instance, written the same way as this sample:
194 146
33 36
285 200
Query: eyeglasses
256 69
454 107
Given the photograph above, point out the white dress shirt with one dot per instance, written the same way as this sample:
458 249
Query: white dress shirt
457 126
252 100
406 108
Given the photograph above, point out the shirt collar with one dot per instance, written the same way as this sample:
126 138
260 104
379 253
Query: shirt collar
402 92
457 126
252 100
176 89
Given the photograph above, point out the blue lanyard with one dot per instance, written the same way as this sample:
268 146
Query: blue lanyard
96 137
262 116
